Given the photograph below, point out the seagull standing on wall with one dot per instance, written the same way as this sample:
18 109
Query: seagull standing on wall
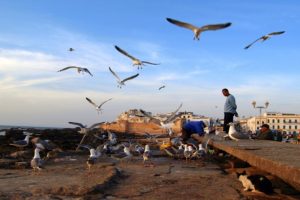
121 82
98 107
265 37
198 30
135 61
79 69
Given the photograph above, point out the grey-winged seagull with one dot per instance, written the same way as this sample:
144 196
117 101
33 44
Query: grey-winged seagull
71 49
235 135
36 162
265 37
84 130
94 155
21 143
98 107
79 69
198 30
135 61
121 82
167 123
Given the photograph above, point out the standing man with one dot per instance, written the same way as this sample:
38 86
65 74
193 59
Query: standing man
229 109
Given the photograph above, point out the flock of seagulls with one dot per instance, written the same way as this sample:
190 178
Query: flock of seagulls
177 149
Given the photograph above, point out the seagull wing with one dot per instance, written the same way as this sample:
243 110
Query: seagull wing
182 24
213 27
114 74
150 63
131 77
124 53
70 67
78 124
95 125
173 115
156 121
161 87
104 102
86 70
277 33
248 46
89 100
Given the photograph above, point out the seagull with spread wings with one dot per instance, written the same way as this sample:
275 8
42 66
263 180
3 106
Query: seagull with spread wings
264 38
98 107
198 30
135 61
84 130
165 124
122 82
79 69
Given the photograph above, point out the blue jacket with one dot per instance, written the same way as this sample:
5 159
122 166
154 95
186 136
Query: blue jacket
194 127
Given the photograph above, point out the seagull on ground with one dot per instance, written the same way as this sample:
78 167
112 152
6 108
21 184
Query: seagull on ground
147 154
94 155
187 152
235 135
21 143
135 61
122 82
84 130
264 38
161 87
198 30
79 69
98 107
36 162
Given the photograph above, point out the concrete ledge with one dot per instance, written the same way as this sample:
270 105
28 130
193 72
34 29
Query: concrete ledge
279 159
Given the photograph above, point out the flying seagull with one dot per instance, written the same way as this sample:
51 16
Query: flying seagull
198 30
71 49
265 37
165 124
84 130
79 69
161 87
122 82
135 61
98 107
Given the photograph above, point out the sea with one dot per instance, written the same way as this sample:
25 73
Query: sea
4 127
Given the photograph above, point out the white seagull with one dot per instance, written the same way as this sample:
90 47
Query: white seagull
94 155
135 61
21 143
36 162
79 69
84 130
265 37
147 154
122 82
198 30
98 107
167 123
235 135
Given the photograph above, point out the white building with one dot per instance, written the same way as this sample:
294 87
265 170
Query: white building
285 122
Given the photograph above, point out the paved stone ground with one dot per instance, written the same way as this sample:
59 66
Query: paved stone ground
68 178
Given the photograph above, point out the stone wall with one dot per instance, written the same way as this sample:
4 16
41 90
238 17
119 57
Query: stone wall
123 126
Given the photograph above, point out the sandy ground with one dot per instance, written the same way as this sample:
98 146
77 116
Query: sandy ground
68 178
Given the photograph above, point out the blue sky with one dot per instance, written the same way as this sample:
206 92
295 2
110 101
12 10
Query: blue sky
35 37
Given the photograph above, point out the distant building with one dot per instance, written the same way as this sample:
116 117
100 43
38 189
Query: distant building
285 122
